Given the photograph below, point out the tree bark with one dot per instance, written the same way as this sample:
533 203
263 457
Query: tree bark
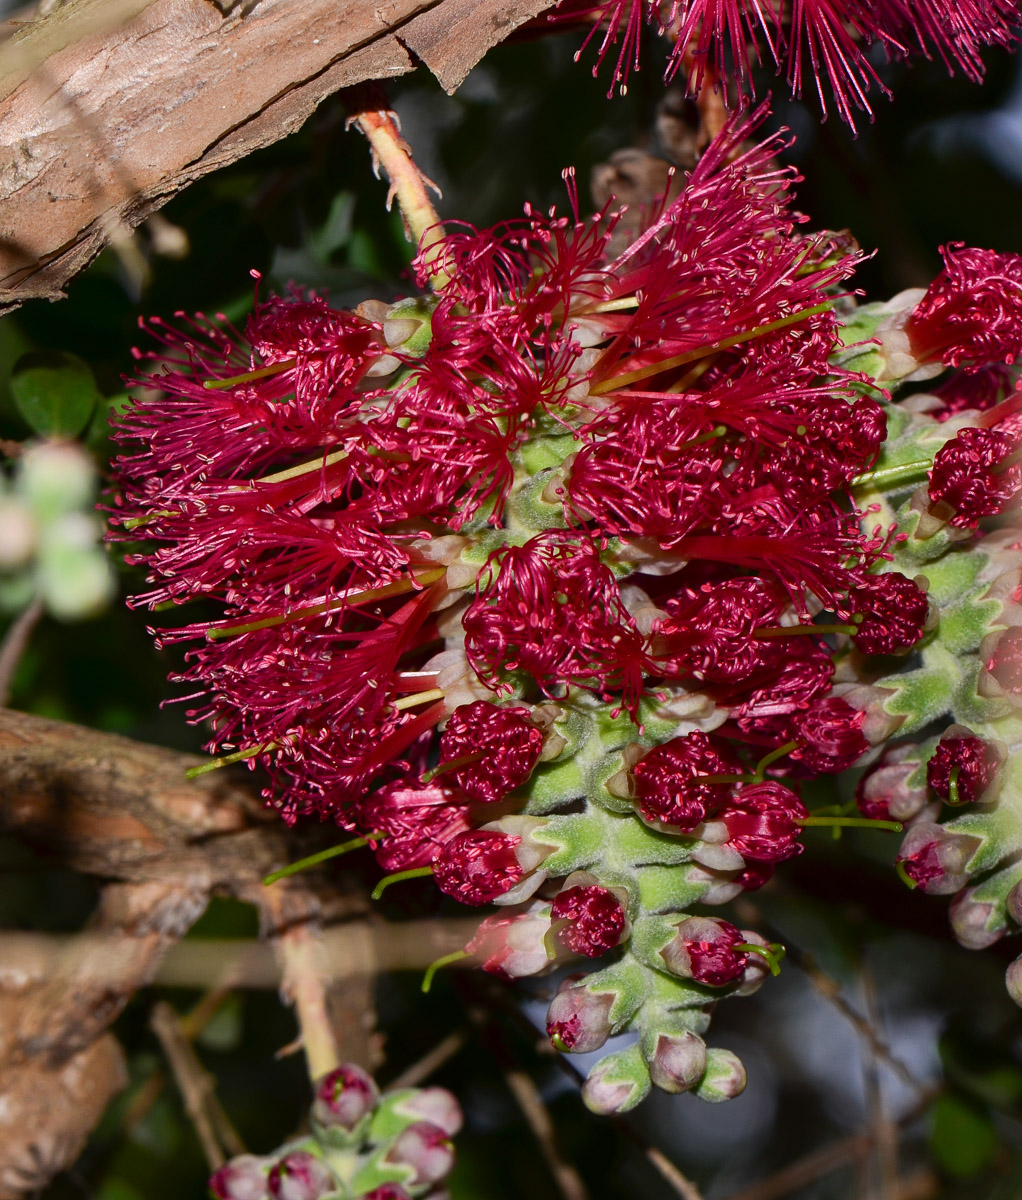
109 108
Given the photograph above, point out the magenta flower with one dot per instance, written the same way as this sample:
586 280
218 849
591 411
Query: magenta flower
594 919
962 767
708 951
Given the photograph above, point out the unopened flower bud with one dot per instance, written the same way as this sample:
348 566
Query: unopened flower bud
1001 675
704 949
617 1083
344 1098
678 1061
435 1105
936 860
301 1176
590 919
241 1178
387 1191
668 780
962 767
725 1077
1013 981
17 534
763 822
884 792
578 1020
976 923
56 478
426 1148
1014 903
514 946
493 864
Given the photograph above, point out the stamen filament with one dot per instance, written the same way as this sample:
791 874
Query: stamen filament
772 953
227 759
736 339
772 757
850 823
351 600
314 860
445 961
607 306
453 764
250 376
398 877
419 698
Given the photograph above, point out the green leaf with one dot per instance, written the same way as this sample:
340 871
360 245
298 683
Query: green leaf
55 392
964 1138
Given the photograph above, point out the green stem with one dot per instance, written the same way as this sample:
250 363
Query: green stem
850 823
398 877
453 764
772 953
904 473
314 860
906 878
772 757
227 759
952 787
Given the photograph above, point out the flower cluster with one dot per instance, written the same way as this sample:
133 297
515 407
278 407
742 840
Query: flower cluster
391 1147
557 584
813 42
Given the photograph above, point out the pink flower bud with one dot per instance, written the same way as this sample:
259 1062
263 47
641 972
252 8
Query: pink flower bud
416 820
578 1020
435 1105
884 793
892 613
678 1062
387 1191
479 865
242 1178
344 1097
301 1176
936 860
514 946
973 474
1002 668
971 921
1014 903
426 1149
763 821
507 740
725 1077
703 949
830 735
1013 980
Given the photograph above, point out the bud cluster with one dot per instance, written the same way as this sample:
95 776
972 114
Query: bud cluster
391 1147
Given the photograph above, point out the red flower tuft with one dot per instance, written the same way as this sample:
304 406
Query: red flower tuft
975 473
891 612
415 819
503 743
961 769
829 735
706 950
595 920
763 822
479 865
667 780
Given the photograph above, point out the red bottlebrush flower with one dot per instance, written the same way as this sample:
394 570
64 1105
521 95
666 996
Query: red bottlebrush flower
961 768
514 946
578 1020
829 735
479 865
705 949
884 792
891 612
971 314
763 822
667 780
976 475
936 860
551 610
415 819
982 388
595 920
801 671
500 747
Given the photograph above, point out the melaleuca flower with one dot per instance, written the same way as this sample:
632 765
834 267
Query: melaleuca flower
669 787
885 792
578 1020
829 735
415 820
344 1097
890 613
516 945
487 751
934 859
976 389
589 919
495 863
962 767
708 951
817 44
764 822
1001 673
301 1176
678 1061
977 474
971 314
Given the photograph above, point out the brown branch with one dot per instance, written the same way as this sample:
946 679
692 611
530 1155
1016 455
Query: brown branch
14 645
431 1061
108 108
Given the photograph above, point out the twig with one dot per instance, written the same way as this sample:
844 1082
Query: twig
807 1170
432 1060
884 1131
372 115
14 645
305 984
537 1115
194 1084
670 1173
